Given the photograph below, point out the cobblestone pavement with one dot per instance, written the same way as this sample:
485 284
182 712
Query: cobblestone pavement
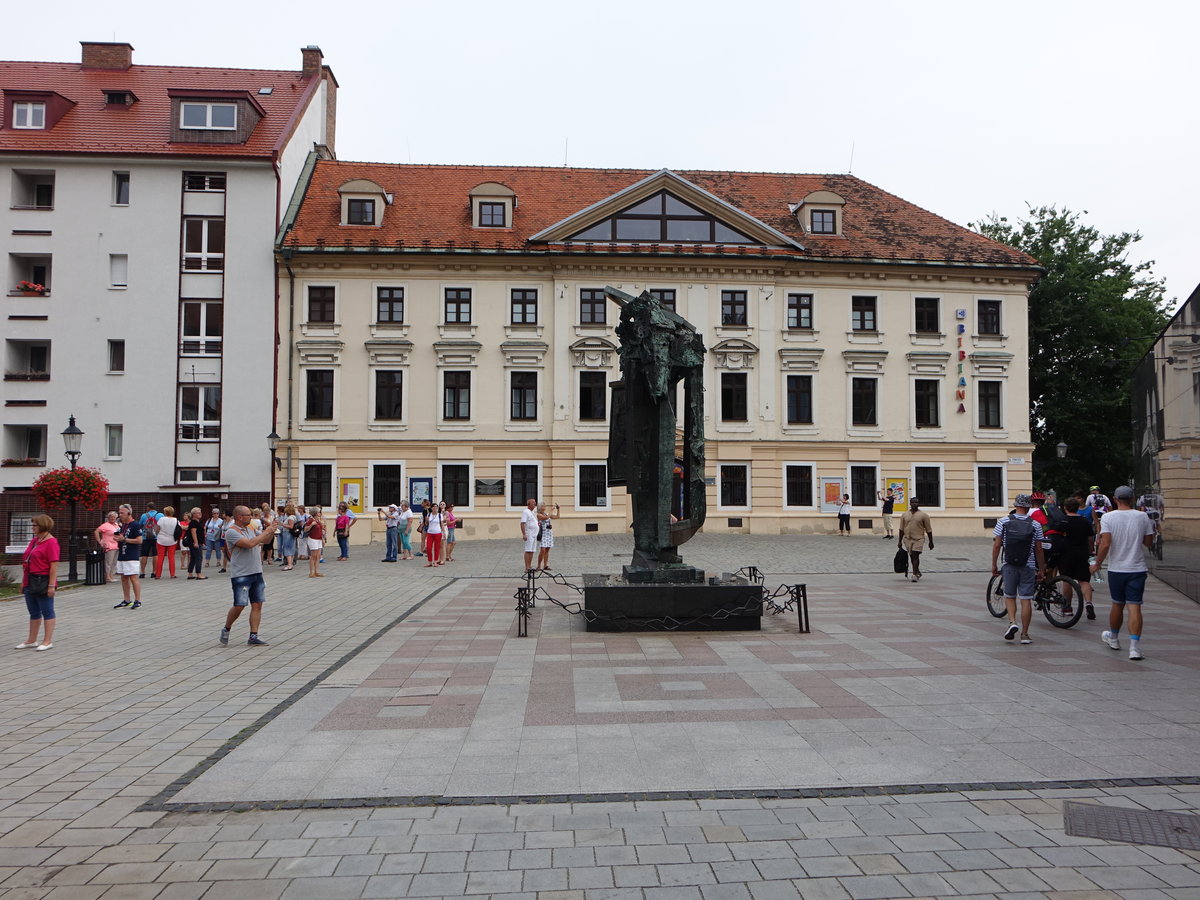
902 749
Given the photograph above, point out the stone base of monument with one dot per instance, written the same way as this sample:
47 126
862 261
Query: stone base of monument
729 603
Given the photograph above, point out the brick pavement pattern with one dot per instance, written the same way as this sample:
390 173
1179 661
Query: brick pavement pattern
141 759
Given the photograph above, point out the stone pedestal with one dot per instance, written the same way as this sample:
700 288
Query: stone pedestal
624 606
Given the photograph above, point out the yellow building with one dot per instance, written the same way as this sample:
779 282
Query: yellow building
444 329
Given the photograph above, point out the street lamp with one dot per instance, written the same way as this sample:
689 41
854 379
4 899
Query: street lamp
273 445
73 441
1061 449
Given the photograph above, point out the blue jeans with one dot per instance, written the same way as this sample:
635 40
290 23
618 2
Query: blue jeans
393 540
212 547
248 589
40 606
344 547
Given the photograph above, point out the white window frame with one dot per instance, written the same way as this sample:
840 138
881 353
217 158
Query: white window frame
333 482
607 507
1003 486
202 339
109 360
118 271
369 489
208 116
116 186
816 487
205 255
508 467
111 431
198 480
29 115
721 463
199 422
439 489
912 484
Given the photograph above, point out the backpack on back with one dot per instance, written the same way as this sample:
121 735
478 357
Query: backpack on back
1018 540
1056 519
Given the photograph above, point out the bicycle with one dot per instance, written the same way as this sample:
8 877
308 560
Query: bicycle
1049 598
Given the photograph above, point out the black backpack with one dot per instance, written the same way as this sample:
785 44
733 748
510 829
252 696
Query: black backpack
1056 519
1018 540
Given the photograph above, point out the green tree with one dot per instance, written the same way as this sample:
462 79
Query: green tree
1092 316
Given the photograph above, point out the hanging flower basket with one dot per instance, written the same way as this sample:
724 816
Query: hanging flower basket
55 488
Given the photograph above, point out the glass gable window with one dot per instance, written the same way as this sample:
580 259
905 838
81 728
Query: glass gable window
209 116
491 214
824 221
29 115
662 218
360 212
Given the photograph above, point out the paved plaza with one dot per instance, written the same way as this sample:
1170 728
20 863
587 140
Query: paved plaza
398 739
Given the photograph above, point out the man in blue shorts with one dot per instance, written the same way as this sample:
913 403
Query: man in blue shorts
1020 537
246 571
1123 534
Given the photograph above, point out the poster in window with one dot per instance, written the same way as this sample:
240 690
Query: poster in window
831 493
350 492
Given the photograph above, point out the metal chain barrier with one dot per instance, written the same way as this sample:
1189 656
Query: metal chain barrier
785 598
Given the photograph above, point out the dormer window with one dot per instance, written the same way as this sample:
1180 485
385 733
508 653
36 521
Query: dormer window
208 116
363 202
360 212
118 98
492 214
492 205
823 221
820 212
29 115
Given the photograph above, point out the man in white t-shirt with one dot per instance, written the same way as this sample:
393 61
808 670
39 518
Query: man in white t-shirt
1123 534
529 530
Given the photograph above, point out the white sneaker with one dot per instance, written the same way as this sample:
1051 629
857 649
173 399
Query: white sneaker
25 646
1111 639
42 647
1011 631
1134 652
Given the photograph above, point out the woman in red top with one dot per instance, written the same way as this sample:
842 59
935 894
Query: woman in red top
314 532
40 569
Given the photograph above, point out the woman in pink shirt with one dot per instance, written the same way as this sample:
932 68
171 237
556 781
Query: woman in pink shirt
104 537
39 565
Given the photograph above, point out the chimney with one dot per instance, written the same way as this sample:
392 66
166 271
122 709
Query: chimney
311 57
98 55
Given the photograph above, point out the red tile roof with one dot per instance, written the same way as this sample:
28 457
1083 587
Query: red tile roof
431 205
145 127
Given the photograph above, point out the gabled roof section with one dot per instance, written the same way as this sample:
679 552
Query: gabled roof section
429 215
90 126
690 203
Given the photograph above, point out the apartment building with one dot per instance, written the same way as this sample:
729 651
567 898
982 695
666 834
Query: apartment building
445 333
142 207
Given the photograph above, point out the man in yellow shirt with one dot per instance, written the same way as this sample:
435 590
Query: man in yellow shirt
914 525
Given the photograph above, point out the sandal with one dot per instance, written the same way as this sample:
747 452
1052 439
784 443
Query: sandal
202 578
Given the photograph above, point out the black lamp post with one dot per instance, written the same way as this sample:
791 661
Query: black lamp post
73 441
273 445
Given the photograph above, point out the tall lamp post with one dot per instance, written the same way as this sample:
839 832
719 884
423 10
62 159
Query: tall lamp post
73 441
273 445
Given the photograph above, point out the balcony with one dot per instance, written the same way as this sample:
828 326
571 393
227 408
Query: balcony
26 376
190 431
22 461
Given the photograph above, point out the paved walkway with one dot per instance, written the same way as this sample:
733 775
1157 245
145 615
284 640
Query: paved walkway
397 739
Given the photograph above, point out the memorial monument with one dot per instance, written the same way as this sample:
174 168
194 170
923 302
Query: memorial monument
660 350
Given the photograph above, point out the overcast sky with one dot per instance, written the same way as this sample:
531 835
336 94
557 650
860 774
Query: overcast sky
962 108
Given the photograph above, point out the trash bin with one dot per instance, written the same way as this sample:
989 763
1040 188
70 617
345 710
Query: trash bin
95 567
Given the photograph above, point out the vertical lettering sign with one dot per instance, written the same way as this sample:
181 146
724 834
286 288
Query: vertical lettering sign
960 393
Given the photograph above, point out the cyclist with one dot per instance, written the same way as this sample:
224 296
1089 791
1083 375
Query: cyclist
1100 504
1152 504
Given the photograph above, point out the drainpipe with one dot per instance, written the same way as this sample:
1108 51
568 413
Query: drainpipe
286 254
